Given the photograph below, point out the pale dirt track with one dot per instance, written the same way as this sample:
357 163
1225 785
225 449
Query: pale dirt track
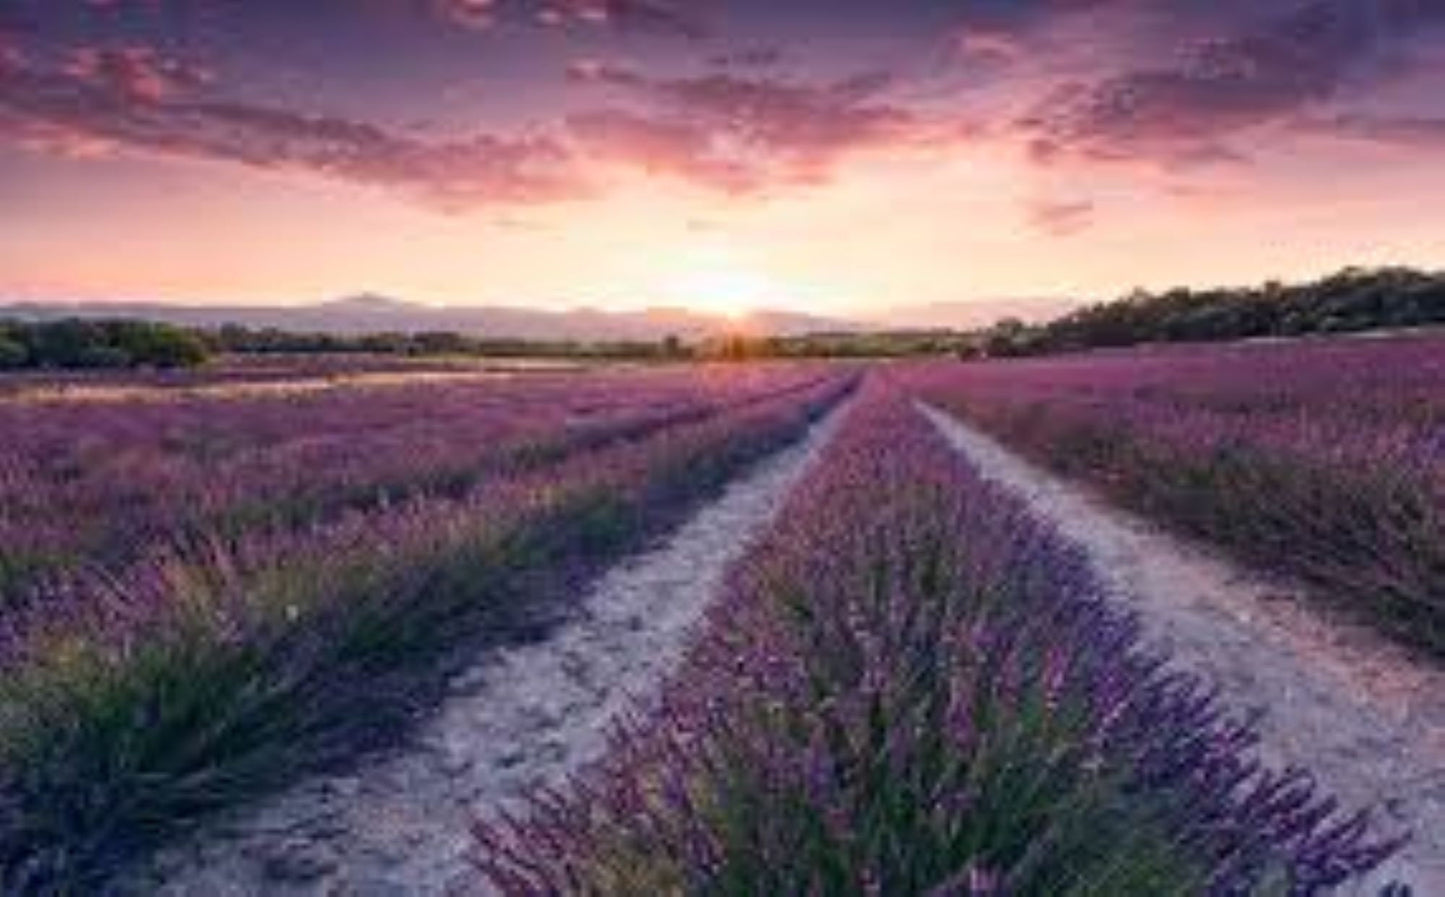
1339 699
529 714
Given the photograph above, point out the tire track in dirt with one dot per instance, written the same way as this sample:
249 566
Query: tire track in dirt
400 826
1340 700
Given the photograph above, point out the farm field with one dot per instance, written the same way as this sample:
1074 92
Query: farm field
178 638
241 375
1317 459
100 482
722 448
913 685
751 628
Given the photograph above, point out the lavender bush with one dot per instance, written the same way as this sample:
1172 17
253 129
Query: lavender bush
1320 460
912 687
134 698
94 484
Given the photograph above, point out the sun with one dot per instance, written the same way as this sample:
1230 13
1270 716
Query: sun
730 292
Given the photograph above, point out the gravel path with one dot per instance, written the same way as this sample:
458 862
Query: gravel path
400 826
1340 700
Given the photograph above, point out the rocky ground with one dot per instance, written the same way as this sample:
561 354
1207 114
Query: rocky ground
1362 713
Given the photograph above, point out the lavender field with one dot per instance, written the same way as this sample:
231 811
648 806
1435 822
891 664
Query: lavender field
910 682
1319 460
722 448
204 599
912 686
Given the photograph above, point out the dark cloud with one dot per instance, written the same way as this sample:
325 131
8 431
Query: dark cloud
1002 24
12 58
675 17
748 58
1405 131
597 71
679 17
1188 112
137 73
468 13
989 45
13 32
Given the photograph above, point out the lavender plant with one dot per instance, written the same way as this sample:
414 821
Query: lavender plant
912 687
134 700
1319 460
98 483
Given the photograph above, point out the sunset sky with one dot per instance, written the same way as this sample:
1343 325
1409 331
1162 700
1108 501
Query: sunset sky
835 156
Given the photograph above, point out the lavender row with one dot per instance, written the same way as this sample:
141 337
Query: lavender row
910 686
236 370
1324 461
96 483
200 678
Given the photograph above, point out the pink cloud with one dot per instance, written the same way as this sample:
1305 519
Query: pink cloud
976 43
1223 87
802 128
680 17
1062 219
479 14
131 101
1402 131
135 72
596 71
659 146
740 134
721 132
748 58
12 58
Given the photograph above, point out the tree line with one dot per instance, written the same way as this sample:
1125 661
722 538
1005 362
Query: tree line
82 343
1351 300
1354 299
235 338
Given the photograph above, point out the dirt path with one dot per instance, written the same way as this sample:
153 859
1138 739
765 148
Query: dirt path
400 826
1340 700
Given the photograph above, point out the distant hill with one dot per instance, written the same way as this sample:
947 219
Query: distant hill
370 313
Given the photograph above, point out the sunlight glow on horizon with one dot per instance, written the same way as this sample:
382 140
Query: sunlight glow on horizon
732 294
783 162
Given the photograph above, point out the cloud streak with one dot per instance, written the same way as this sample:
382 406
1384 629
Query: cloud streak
1062 219
721 133
1420 132
1224 87
741 118
130 100
682 18
742 134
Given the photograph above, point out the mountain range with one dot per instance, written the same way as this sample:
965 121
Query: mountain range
372 313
